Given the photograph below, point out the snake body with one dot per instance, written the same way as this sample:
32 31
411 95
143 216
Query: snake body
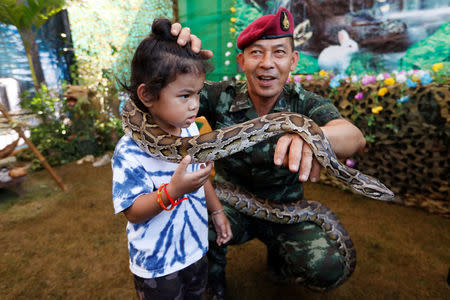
226 141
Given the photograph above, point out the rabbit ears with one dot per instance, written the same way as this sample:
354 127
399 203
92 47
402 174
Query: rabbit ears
343 36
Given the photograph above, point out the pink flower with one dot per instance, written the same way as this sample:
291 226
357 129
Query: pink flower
297 78
368 79
309 77
386 75
350 163
359 96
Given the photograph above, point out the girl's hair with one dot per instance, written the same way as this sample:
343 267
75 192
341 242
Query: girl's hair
159 59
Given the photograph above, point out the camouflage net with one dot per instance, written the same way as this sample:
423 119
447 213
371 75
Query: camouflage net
407 146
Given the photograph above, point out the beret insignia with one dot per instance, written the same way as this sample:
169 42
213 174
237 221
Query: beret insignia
284 21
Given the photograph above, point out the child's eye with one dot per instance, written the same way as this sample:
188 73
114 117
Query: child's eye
185 96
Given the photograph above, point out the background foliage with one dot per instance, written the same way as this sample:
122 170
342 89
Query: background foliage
66 133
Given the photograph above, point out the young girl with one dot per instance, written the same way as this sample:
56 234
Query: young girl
167 243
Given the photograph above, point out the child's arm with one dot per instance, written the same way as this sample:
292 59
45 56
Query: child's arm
220 220
146 206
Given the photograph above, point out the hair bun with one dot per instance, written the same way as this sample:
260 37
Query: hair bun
161 30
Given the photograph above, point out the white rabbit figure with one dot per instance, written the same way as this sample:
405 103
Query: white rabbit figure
337 58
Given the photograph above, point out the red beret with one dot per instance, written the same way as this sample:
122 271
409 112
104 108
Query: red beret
267 27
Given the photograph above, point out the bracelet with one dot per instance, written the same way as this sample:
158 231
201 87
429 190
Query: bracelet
158 198
217 212
170 199
161 203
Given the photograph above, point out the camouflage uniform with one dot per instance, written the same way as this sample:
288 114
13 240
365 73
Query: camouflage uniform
300 251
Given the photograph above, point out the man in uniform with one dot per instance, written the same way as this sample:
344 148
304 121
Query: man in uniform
274 169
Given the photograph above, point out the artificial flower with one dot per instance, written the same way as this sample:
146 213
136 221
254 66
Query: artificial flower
401 78
366 80
298 78
309 77
323 73
382 91
232 29
389 81
380 77
334 83
377 109
426 78
403 99
232 9
410 83
359 96
437 66
233 19
350 163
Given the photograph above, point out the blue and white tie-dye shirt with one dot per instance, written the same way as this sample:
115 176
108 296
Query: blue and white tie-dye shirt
171 240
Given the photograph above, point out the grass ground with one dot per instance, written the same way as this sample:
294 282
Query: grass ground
70 245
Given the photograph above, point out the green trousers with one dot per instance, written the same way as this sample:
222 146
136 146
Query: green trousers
298 252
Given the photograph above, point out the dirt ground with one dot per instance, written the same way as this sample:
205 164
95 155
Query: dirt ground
70 245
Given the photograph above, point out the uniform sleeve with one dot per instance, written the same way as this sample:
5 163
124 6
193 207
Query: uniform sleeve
130 180
318 108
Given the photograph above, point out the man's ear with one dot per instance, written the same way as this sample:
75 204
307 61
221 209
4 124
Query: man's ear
294 62
240 59
143 95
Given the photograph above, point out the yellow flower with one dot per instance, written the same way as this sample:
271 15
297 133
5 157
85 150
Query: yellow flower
232 9
389 81
323 73
377 109
232 29
233 19
415 77
382 91
437 66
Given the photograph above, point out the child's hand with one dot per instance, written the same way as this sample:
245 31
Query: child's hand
223 228
183 182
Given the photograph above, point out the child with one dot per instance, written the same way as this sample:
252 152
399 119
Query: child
167 243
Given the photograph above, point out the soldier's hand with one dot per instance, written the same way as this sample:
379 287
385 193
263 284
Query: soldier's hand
292 151
184 36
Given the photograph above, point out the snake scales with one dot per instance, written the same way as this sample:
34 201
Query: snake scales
226 141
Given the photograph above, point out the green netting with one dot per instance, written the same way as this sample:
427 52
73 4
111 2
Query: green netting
211 21
434 49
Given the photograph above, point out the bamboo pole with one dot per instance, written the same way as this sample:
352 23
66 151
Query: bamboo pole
34 149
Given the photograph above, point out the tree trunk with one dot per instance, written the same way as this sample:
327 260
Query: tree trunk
32 52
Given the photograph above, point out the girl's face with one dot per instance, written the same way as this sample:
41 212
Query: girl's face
178 103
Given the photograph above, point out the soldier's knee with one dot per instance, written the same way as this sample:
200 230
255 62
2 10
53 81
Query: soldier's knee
329 274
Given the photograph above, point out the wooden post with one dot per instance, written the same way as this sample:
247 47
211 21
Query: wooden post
34 149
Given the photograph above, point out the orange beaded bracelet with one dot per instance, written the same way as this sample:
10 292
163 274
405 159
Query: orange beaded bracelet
159 199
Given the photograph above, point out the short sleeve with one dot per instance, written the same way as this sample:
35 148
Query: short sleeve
130 179
318 108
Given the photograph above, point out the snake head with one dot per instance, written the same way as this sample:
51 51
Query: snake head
373 188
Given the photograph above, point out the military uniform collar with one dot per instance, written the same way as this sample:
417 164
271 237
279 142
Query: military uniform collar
242 100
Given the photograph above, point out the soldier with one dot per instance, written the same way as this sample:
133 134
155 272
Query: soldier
274 169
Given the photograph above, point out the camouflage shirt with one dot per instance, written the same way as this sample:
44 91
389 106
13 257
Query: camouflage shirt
228 103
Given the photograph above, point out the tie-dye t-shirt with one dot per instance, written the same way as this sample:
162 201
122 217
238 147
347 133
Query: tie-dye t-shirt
172 240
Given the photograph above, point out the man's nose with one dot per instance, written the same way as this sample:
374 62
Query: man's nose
267 61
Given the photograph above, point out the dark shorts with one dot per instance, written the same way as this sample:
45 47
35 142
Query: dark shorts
188 283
